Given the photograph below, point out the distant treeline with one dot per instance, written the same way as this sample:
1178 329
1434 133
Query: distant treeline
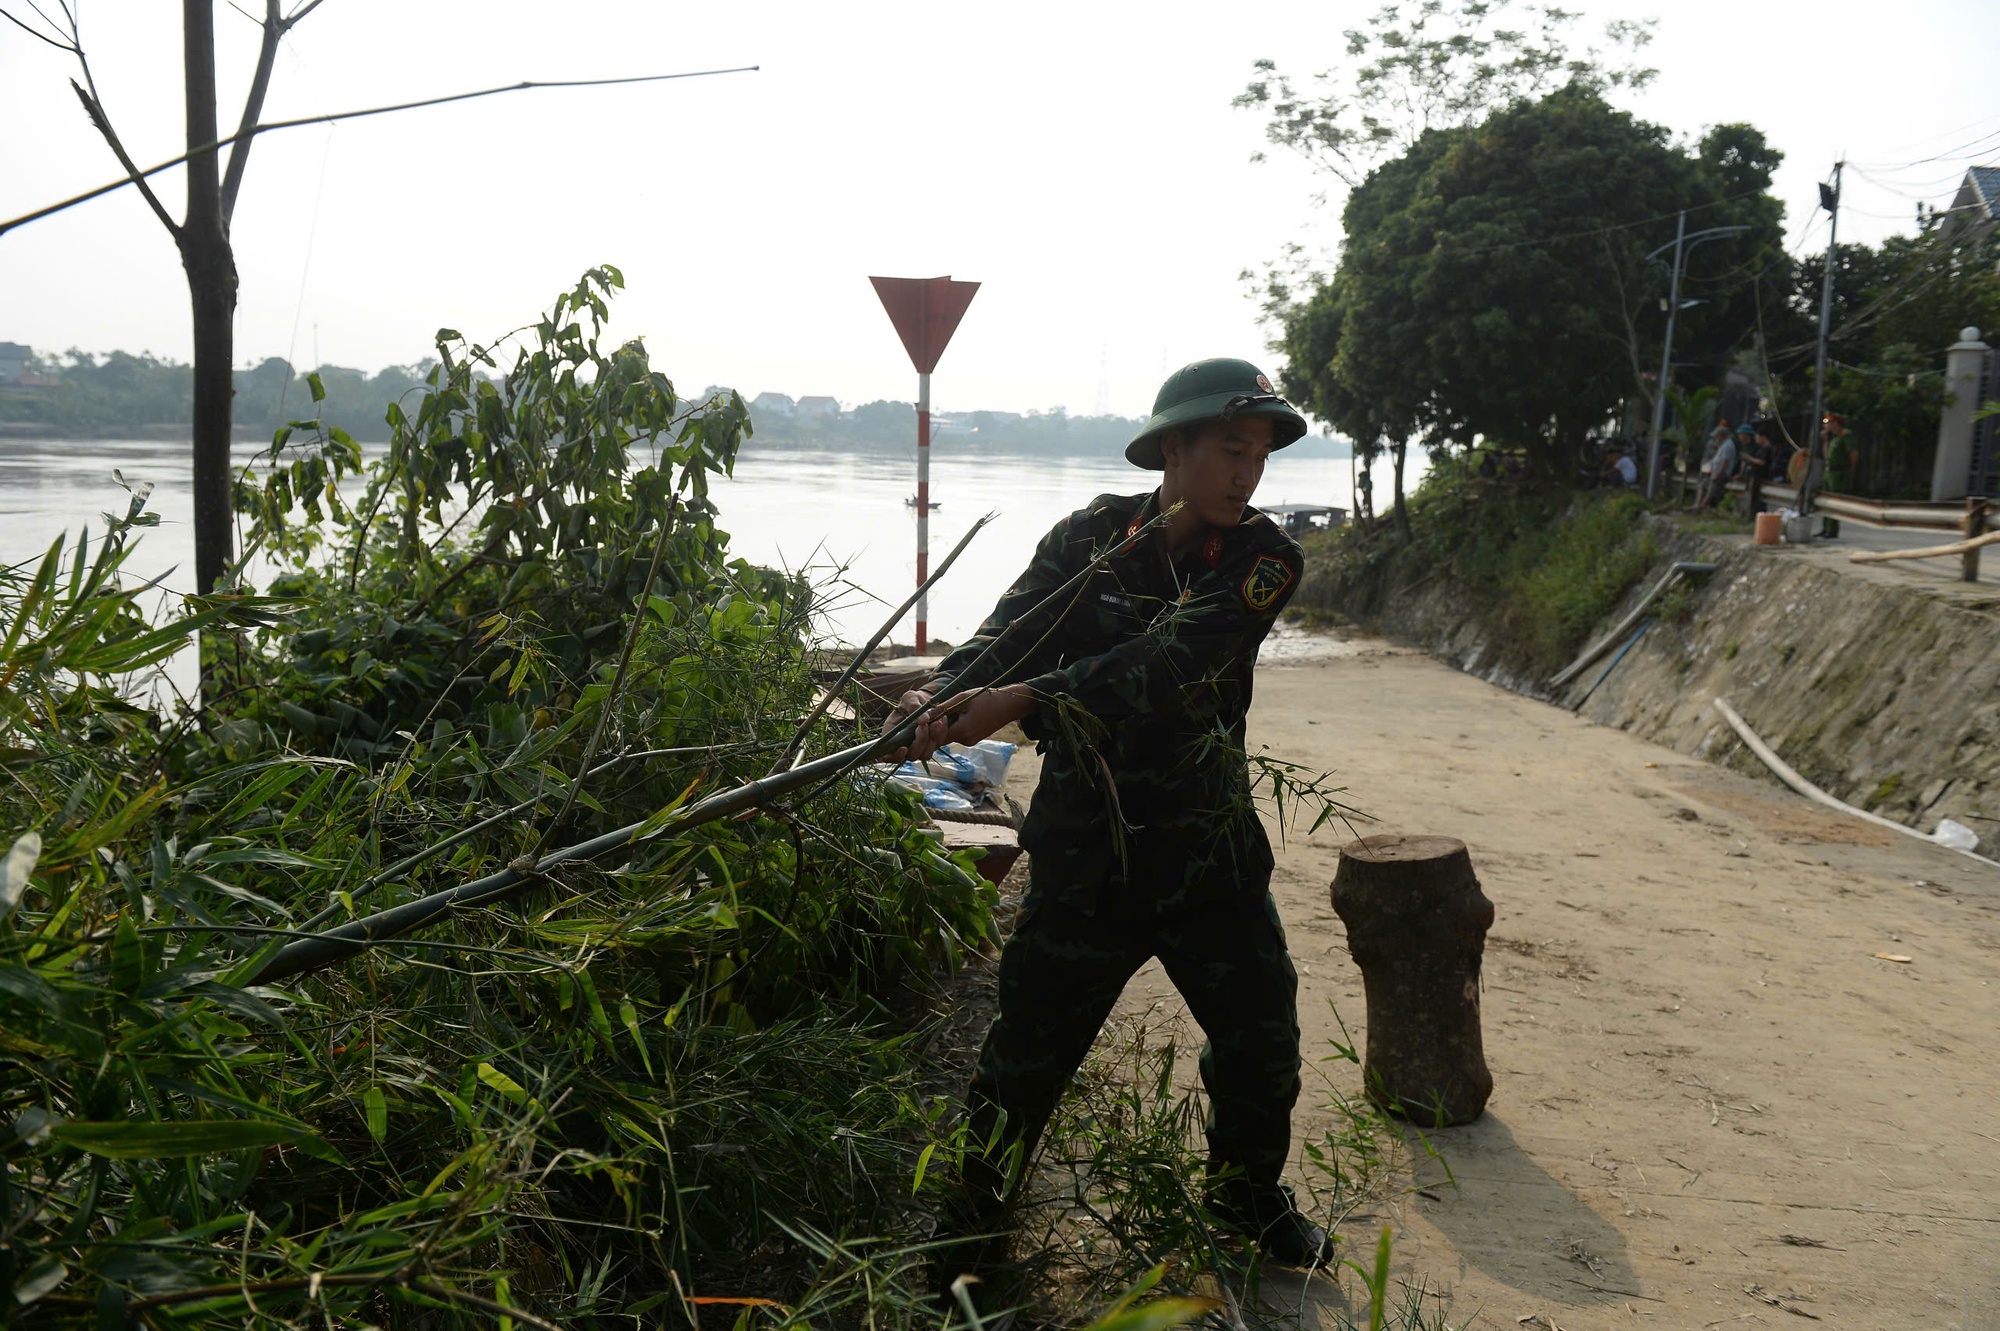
122 395
893 425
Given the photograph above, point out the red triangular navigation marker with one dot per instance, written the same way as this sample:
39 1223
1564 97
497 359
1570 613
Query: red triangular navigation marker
926 311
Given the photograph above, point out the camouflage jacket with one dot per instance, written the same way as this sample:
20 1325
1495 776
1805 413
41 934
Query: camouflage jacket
1142 680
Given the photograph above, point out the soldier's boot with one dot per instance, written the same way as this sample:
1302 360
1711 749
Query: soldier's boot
976 1222
1269 1216
972 1244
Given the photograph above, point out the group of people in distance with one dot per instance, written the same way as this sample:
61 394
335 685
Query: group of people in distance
1748 452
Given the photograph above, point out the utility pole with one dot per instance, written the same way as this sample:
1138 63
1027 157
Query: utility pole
1829 199
1683 245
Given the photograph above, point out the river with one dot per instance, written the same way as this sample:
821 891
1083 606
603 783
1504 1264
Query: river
819 510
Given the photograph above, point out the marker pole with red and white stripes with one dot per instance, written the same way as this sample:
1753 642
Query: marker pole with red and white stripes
923 510
925 311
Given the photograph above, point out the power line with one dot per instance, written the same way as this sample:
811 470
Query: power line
1946 133
523 86
1901 187
1968 148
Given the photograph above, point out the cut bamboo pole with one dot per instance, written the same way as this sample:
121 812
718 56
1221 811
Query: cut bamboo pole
1786 773
1927 552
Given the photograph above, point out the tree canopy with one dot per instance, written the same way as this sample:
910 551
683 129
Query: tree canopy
1421 65
1896 308
1494 280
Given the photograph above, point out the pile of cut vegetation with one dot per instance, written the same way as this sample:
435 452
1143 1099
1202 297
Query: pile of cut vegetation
652 1079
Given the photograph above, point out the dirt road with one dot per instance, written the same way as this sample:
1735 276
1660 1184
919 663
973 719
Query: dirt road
1714 1104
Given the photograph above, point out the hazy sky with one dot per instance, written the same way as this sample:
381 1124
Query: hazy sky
1081 160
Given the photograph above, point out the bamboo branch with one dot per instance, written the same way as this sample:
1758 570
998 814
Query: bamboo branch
286 1284
459 838
798 740
610 702
138 177
348 940
1073 589
37 35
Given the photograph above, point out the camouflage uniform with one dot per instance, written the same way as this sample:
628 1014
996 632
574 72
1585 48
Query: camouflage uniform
1143 838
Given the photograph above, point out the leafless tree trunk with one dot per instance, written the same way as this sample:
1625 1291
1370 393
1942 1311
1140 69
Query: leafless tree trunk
202 236
1416 926
211 275
1397 452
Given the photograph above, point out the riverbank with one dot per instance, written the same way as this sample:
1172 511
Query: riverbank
1877 682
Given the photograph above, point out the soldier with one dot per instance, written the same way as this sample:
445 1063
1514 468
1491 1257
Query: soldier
1143 837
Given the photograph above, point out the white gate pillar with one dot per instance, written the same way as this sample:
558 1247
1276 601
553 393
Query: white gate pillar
1963 364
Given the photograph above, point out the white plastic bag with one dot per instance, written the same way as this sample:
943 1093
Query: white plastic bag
987 760
1955 834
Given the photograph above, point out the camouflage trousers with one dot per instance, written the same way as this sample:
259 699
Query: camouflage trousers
1060 974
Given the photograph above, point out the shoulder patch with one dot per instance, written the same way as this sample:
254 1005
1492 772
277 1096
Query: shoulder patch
1266 582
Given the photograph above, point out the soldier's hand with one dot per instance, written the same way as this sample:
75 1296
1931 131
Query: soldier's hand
932 730
976 714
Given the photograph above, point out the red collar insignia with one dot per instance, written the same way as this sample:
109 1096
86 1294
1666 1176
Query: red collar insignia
1211 549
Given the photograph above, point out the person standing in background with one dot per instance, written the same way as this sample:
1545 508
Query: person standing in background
1721 467
1756 460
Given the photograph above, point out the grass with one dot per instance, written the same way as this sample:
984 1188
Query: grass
1537 568
1118 1184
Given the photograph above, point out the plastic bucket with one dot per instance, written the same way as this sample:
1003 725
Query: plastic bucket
1769 525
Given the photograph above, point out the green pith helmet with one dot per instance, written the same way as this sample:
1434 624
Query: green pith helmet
1213 390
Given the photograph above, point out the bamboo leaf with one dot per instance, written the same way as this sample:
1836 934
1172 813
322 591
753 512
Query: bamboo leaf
1159 1315
600 1021
375 1106
16 870
41 1278
128 956
161 1141
503 1083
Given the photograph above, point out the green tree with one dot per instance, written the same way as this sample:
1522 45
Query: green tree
883 420
1494 279
1896 308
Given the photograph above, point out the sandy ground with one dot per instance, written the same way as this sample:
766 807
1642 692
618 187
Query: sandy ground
1714 1105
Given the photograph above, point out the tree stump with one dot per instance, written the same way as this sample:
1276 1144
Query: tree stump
1416 925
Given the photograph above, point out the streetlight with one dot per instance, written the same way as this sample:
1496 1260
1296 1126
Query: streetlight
1682 243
